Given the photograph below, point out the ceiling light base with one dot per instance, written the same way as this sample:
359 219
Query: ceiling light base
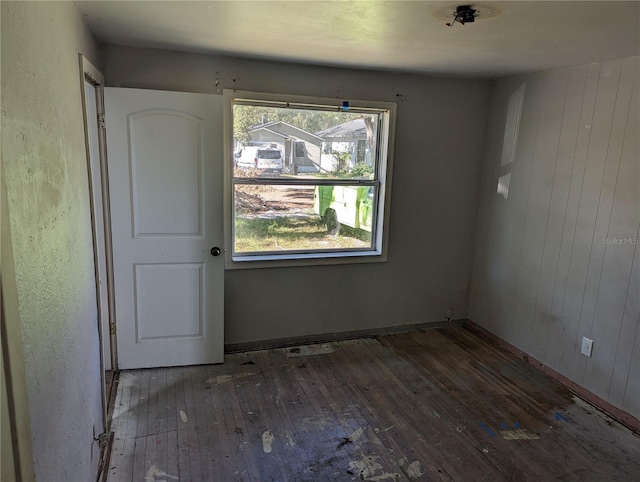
467 13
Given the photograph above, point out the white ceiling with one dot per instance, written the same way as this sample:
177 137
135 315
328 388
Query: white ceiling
512 37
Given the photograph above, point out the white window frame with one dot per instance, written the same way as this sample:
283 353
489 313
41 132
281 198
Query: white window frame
385 149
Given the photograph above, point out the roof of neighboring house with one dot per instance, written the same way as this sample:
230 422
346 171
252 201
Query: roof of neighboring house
273 127
263 128
350 129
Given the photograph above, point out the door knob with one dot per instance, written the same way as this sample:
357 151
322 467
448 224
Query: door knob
215 251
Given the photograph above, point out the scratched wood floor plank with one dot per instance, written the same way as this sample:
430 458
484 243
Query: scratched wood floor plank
264 434
173 469
422 419
530 412
182 431
443 404
471 416
362 392
250 422
326 429
156 396
576 440
133 409
369 445
229 429
454 423
161 401
286 446
170 410
241 454
143 403
388 401
311 413
124 421
205 432
191 423
216 425
433 437
278 376
120 465
139 458
494 405
534 395
161 442
374 442
327 425
498 400
343 409
151 460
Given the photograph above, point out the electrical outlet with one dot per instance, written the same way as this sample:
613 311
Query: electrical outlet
587 346
448 314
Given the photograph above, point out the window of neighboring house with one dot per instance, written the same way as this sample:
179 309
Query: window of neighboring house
321 206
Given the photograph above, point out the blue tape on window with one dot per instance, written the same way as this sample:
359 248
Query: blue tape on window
345 105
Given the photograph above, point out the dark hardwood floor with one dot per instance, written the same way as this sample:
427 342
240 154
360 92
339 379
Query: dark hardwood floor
440 404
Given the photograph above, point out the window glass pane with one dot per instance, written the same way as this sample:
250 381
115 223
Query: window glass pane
278 218
283 143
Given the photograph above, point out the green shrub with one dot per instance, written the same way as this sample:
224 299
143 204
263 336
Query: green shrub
362 169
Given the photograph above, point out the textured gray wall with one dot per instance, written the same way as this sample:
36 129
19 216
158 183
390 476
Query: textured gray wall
438 152
548 268
44 164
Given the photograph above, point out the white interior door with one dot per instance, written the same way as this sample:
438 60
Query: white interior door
165 184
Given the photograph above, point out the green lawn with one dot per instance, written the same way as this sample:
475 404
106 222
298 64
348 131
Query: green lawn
293 233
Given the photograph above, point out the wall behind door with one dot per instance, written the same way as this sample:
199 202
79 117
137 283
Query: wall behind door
433 207
45 167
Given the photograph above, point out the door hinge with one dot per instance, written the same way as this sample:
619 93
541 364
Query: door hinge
101 124
103 440
112 328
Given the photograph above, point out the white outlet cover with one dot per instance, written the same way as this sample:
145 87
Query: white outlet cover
586 347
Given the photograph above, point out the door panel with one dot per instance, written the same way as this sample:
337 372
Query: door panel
165 175
167 198
183 285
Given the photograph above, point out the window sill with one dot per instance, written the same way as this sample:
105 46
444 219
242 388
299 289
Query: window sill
309 259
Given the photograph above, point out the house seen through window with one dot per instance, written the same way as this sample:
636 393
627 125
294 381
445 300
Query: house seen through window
309 179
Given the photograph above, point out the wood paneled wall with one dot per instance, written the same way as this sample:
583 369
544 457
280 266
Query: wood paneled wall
557 254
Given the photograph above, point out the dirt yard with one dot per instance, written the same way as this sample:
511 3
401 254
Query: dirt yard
259 198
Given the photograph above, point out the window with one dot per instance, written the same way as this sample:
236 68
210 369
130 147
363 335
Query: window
308 180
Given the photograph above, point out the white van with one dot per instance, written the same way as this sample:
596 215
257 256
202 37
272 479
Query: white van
259 157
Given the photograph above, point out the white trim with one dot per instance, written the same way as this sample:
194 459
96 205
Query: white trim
108 342
89 70
100 224
386 141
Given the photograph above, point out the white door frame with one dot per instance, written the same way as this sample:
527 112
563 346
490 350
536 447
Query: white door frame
101 232
108 323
